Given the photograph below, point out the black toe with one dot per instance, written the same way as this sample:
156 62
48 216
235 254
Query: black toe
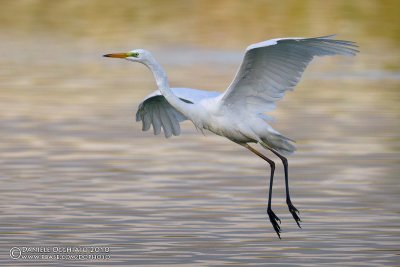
274 221
295 213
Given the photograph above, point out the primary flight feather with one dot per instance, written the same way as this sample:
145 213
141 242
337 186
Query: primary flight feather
268 70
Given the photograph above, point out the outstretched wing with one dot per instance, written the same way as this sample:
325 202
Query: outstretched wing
155 110
272 67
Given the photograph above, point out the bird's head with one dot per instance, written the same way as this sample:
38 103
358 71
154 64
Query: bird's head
136 55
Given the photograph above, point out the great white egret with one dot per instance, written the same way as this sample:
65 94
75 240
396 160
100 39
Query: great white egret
268 70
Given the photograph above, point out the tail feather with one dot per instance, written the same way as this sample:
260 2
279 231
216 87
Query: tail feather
279 143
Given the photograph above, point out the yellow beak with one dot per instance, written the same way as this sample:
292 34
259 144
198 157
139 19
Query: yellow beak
117 55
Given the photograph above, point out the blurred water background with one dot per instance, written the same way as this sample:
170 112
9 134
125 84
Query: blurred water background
76 169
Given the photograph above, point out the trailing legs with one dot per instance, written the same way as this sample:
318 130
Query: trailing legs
272 217
295 213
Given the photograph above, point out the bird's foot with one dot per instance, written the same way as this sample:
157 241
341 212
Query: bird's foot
274 221
295 213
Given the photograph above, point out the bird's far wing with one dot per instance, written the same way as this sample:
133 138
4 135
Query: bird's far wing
272 67
155 110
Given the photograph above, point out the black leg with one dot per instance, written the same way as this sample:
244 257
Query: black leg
295 213
272 216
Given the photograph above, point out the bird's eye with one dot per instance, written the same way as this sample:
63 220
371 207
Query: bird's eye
133 54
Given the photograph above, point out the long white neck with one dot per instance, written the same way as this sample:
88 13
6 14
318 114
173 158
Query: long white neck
162 83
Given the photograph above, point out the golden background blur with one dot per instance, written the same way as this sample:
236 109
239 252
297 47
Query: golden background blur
76 169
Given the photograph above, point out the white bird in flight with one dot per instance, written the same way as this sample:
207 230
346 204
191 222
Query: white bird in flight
268 70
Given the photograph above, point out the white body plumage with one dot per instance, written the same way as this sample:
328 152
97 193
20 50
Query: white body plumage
268 70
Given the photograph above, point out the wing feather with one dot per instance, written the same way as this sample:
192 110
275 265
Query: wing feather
272 67
175 127
146 122
165 122
155 119
155 110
